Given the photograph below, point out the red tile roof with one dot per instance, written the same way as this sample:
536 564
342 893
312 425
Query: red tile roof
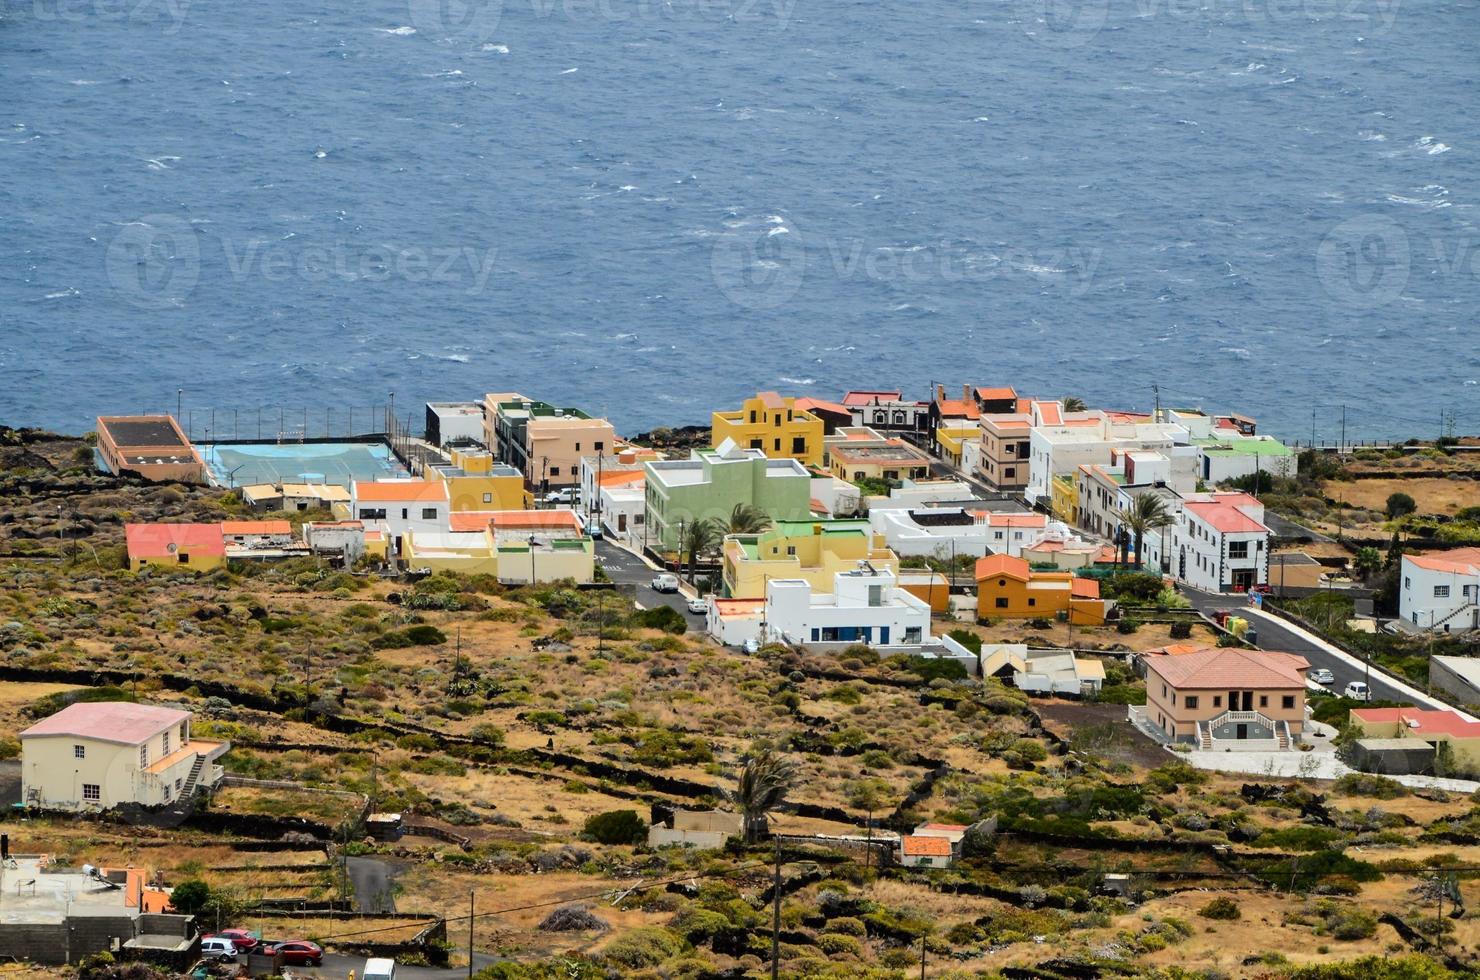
1221 668
817 404
914 846
1084 588
1465 561
623 476
1222 515
163 540
858 398
1422 722
533 518
1050 412
1017 520
955 408
996 394
109 721
469 521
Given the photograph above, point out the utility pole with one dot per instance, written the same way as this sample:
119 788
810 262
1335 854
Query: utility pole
179 398
922 956
1341 448
776 913
471 895
1312 429
1156 389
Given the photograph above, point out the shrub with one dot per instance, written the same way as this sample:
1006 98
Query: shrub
664 618
615 827
847 925
643 947
1181 631
1127 626
190 897
834 944
1399 505
1221 908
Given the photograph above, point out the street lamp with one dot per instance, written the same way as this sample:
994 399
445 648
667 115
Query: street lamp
531 559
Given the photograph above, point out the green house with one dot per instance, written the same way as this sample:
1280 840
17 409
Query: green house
713 481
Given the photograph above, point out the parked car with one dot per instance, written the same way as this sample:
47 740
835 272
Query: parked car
1322 676
752 645
1357 691
565 495
244 941
699 604
379 969
664 582
296 952
218 948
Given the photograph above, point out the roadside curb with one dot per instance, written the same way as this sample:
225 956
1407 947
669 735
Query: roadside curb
1418 696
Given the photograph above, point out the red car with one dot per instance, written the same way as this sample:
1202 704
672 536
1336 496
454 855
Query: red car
296 952
244 941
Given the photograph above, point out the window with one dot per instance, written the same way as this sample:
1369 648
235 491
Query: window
405 512
429 513
184 733
1217 700
777 420
372 513
1010 472
488 498
79 751
1264 700
183 558
1441 592
166 750
554 471
1032 602
578 447
1163 690
1238 549
143 757
92 792
1191 701
1288 701
179 783
1002 602
1174 697
1407 582
752 418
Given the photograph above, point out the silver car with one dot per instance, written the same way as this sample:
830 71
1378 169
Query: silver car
1322 676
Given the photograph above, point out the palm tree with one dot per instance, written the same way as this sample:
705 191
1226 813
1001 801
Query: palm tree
699 538
748 519
1072 404
764 780
1147 512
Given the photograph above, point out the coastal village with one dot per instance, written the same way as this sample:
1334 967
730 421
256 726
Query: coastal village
984 684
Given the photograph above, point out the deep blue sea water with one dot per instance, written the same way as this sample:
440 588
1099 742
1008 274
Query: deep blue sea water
653 209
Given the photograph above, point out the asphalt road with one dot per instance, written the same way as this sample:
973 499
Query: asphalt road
625 568
1275 636
338 965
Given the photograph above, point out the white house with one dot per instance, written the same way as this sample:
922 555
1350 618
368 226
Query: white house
346 538
865 606
94 755
940 532
454 423
919 493
398 506
1060 442
1441 591
1218 544
1228 458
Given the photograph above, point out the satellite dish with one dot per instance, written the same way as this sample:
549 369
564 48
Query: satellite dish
172 547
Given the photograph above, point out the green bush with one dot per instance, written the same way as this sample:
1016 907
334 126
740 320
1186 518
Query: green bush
646 946
967 639
615 827
1399 505
1126 626
190 897
664 618
1181 631
847 925
1221 908
835 944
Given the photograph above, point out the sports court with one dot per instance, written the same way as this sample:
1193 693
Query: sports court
241 464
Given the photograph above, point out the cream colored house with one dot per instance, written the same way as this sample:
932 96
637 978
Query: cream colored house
1227 698
101 754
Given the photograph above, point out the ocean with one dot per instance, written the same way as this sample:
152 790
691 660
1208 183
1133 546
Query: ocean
652 210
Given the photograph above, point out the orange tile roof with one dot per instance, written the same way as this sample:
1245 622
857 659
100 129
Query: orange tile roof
1465 561
1016 520
1084 588
863 398
944 826
1178 649
996 394
914 846
997 565
1051 412
623 476
1222 668
1222 515
162 540
469 521
739 607
256 527
810 404
958 408
399 490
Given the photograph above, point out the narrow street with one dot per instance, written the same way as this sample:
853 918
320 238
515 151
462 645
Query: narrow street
625 568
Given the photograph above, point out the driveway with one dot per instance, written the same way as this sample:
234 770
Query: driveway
626 568
1276 634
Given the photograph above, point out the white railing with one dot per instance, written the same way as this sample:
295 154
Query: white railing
1236 717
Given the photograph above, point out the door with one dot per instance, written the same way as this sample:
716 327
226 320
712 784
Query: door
1241 732
1248 700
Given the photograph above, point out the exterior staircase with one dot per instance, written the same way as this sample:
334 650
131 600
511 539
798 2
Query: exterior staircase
1466 610
187 790
1283 734
1204 737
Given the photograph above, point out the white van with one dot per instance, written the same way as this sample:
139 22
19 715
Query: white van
217 948
1357 690
379 969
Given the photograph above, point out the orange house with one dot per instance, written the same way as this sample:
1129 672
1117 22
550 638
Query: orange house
1008 588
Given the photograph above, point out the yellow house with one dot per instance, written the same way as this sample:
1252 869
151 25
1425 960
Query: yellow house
1433 727
462 552
1065 498
775 426
179 547
476 482
861 453
1007 588
812 550
952 438
377 546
